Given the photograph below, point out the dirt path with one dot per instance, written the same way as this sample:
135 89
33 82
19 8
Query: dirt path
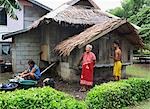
4 77
70 88
67 87
73 88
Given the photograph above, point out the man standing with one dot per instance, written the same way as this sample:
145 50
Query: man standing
88 62
117 61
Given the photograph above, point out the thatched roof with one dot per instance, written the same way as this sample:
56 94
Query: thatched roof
81 15
74 15
95 32
70 14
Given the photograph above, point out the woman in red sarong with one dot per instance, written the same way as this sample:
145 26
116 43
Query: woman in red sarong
88 62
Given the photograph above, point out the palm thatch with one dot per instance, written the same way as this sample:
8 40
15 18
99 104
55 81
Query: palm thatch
89 35
81 15
74 15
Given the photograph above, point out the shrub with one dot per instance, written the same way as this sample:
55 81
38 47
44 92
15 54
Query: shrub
115 95
39 98
112 95
140 88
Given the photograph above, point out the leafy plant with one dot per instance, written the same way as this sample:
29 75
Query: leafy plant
112 95
115 95
141 17
10 7
39 98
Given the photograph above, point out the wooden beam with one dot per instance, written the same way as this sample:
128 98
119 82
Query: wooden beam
108 65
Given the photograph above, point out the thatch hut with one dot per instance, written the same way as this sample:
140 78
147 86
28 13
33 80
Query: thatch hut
63 33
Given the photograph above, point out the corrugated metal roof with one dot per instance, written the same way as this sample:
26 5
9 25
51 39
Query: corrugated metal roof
52 3
9 35
41 4
6 40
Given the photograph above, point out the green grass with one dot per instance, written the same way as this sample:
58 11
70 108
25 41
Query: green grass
142 72
138 71
143 105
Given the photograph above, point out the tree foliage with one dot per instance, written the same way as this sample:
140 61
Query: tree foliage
145 33
10 7
129 8
118 11
137 12
142 19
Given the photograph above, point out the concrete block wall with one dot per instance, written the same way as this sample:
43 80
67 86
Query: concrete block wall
100 74
66 73
26 46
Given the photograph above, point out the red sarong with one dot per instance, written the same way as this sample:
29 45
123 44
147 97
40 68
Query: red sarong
87 74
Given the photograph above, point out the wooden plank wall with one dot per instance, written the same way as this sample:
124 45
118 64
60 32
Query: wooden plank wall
55 33
103 49
32 13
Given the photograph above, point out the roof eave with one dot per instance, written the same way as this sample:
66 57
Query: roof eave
40 5
72 2
135 26
64 49
11 34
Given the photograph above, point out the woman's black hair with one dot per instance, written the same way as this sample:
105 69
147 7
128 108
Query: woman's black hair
31 62
116 42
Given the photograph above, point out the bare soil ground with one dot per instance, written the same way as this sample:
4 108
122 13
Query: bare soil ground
70 88
5 76
73 88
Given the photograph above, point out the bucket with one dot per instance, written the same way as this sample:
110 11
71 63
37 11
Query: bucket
27 83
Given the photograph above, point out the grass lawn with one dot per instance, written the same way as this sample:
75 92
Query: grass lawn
141 71
143 105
